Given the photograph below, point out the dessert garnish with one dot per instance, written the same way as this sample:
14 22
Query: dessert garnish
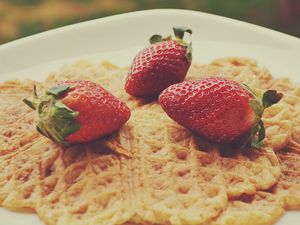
77 111
165 62
219 109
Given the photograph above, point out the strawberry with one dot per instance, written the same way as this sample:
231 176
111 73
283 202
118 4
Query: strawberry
219 109
159 65
76 111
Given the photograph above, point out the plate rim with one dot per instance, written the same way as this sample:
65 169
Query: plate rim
264 30
73 40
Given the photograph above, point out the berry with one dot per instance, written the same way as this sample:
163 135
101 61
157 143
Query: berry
159 65
219 109
77 111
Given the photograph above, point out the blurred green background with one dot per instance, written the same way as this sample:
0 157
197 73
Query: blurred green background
20 18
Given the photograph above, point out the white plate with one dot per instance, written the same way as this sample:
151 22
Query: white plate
118 38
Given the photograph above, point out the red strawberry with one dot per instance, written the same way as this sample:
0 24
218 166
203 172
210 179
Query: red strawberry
76 111
159 65
218 109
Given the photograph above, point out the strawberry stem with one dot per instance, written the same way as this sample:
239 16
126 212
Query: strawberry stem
179 34
57 121
258 133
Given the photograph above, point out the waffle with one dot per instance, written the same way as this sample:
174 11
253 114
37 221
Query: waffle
289 183
17 135
174 177
260 209
16 120
292 98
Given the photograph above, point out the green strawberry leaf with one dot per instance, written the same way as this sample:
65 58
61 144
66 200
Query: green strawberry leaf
57 122
258 133
247 88
261 131
252 134
59 90
257 107
257 142
155 39
158 38
179 31
34 92
271 97
60 105
189 51
31 104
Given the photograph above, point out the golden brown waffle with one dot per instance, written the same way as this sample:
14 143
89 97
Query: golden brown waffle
242 70
292 98
288 186
262 208
174 176
289 183
16 120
